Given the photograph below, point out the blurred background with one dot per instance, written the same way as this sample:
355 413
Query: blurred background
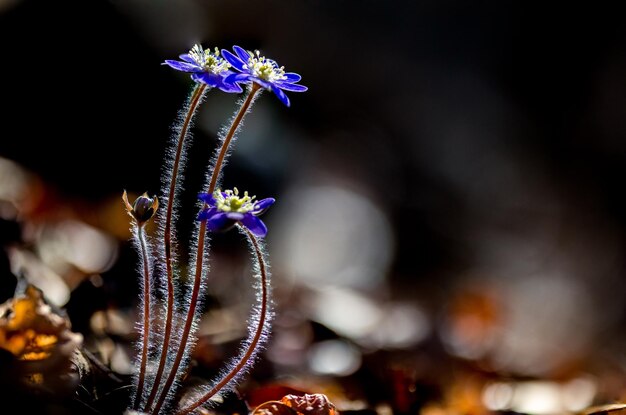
449 231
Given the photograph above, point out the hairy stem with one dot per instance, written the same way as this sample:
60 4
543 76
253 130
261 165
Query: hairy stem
217 168
254 342
195 293
194 102
145 338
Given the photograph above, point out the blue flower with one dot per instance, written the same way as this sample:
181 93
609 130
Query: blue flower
226 209
265 72
206 67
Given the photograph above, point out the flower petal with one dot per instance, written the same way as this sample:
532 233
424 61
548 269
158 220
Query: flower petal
197 77
242 53
291 87
281 95
255 225
231 88
228 86
233 60
219 222
187 58
207 198
262 205
261 82
237 77
292 77
207 213
208 78
182 66
236 216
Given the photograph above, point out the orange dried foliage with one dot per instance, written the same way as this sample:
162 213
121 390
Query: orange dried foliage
315 404
40 340
28 328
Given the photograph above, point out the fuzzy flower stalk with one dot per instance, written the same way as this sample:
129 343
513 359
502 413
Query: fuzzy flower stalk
259 325
258 73
208 70
220 211
141 211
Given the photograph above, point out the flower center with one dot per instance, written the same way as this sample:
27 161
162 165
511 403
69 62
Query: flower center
210 61
264 68
232 202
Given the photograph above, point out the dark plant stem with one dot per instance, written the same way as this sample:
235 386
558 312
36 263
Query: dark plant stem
194 102
195 293
147 293
254 342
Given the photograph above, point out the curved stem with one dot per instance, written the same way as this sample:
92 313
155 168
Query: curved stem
167 239
147 292
252 347
195 293
254 88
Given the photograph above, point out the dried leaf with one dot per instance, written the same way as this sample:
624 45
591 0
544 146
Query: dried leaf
273 408
273 392
315 404
41 343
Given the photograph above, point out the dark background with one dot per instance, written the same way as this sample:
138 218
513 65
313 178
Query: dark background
489 136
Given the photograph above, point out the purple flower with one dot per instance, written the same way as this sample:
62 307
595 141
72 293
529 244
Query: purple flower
206 67
265 72
226 209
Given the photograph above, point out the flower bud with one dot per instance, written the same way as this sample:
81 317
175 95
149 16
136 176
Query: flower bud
142 209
